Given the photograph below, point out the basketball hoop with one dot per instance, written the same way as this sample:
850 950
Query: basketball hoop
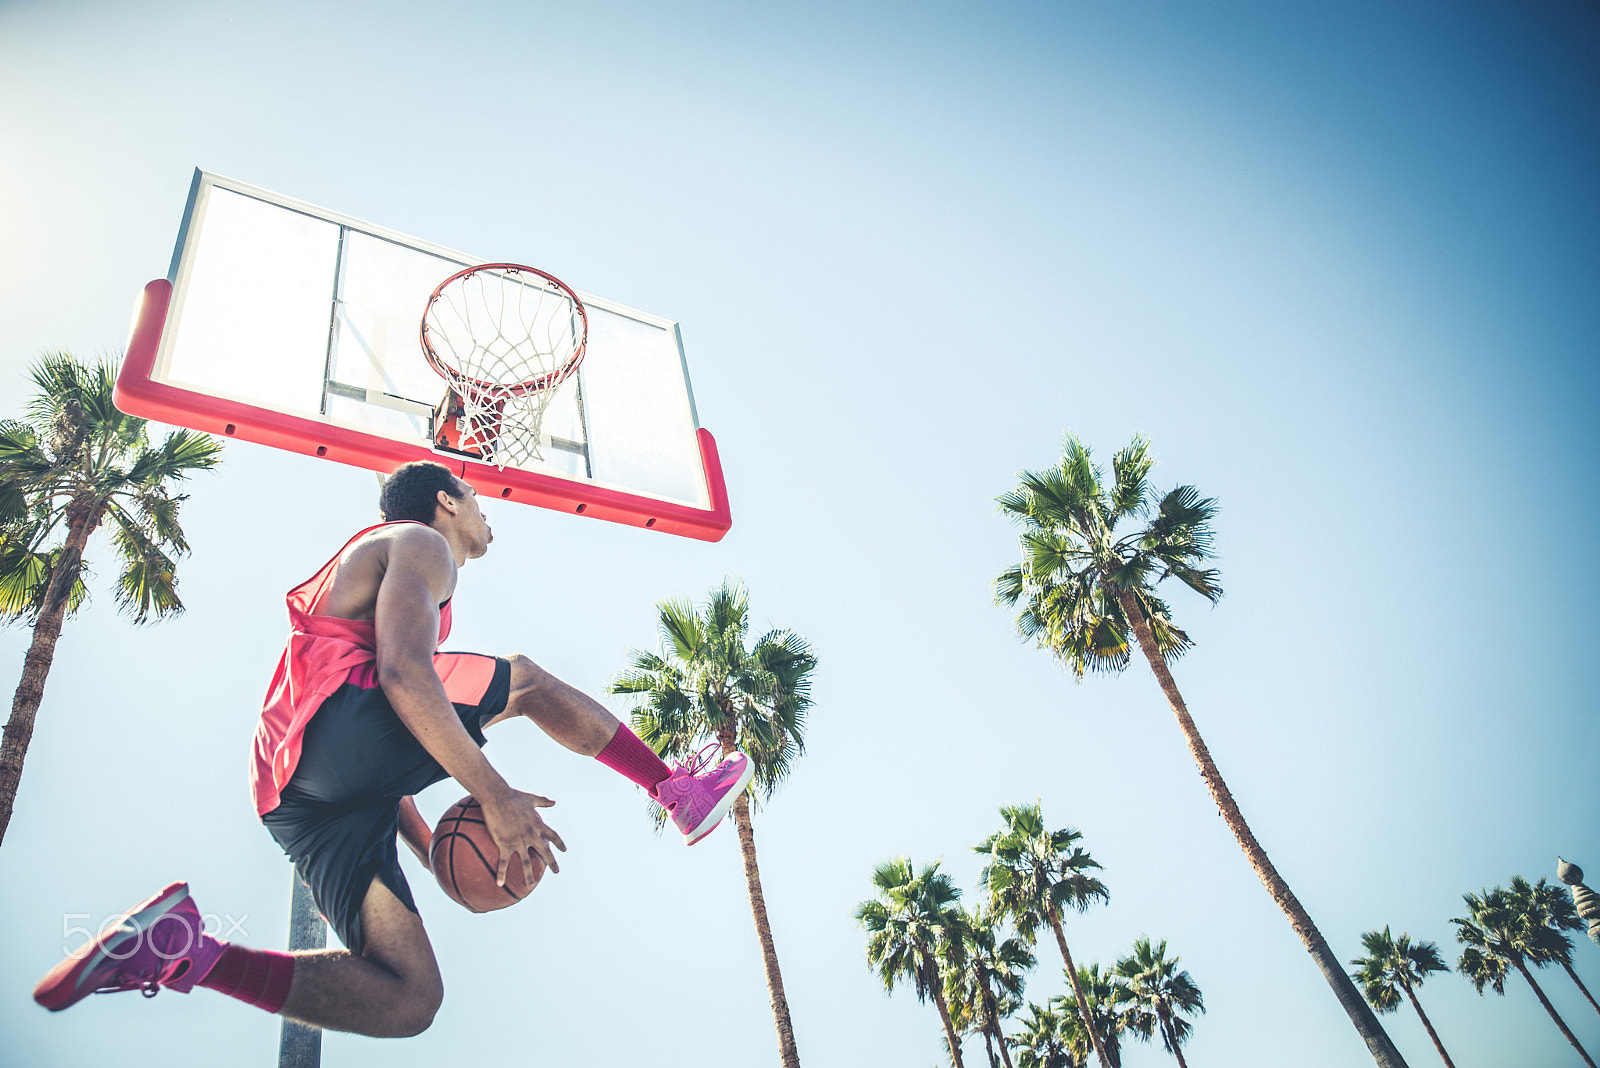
503 337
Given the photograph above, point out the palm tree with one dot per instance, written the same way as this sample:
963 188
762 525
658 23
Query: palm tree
1033 875
708 686
913 922
1553 908
1046 1039
962 999
985 983
1158 996
73 462
1102 999
1087 594
1393 965
1502 933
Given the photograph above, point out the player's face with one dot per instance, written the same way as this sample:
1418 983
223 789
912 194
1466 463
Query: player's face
474 522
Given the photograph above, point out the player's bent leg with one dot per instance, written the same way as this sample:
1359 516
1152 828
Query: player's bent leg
392 989
696 794
564 712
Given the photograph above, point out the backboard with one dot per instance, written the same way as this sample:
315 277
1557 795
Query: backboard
296 327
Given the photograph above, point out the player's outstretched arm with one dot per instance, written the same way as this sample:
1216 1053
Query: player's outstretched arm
418 575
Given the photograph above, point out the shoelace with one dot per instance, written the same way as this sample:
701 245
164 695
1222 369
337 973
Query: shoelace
148 983
701 760
694 766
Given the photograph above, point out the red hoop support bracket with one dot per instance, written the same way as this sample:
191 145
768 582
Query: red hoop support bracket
138 393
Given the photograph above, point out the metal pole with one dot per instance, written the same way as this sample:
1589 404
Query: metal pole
300 1046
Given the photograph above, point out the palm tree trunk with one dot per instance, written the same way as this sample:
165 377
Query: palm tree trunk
787 1052
1000 1041
944 1010
1415 1004
1551 1009
1170 1035
1366 1023
36 665
1574 975
1077 991
993 1012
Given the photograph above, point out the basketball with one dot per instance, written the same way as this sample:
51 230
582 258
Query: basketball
464 859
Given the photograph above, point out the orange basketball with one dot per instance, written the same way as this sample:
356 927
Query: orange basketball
465 859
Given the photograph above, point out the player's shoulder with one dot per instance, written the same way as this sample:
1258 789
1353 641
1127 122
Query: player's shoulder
410 541
407 533
413 544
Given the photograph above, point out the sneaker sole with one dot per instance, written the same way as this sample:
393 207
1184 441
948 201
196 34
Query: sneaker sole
714 817
59 988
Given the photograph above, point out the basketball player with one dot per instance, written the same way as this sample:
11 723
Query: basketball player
362 713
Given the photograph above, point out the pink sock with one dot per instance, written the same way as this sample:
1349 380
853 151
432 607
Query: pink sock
626 754
258 977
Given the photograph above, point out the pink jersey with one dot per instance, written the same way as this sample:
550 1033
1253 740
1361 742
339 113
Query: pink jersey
321 654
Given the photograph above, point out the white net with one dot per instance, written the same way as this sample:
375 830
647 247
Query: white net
504 338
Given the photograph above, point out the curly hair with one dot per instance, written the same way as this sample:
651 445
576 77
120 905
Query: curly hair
412 492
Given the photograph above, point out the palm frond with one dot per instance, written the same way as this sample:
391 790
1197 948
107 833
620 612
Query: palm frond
148 585
1130 468
23 575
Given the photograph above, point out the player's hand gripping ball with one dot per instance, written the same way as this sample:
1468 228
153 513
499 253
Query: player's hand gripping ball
465 860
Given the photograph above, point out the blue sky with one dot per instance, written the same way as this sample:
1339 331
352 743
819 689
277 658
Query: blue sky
1337 261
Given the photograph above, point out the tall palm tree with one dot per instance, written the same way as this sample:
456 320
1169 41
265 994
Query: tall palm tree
72 463
1393 965
985 983
708 686
912 922
1033 875
1102 1000
1045 1040
1158 996
1552 907
1502 933
1087 594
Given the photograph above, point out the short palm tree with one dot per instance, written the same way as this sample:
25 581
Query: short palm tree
1158 996
707 686
1033 876
1102 999
912 922
1045 1040
985 983
1395 965
1087 594
73 463
963 1000
1502 933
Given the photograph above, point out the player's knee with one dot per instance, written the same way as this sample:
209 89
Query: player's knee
417 1010
526 676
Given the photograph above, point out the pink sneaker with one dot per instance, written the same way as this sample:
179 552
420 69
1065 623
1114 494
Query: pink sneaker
698 802
157 943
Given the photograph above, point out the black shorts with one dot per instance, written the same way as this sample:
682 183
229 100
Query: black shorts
337 817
